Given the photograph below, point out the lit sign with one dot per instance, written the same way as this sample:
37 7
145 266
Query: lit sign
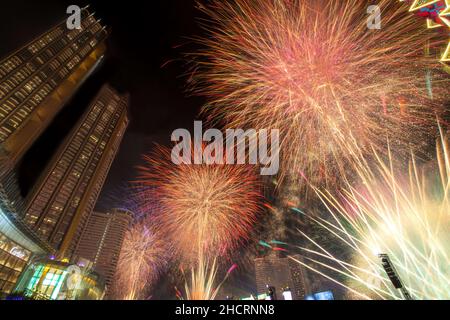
327 295
287 295
18 252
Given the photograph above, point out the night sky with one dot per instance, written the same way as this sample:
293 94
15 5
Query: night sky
144 35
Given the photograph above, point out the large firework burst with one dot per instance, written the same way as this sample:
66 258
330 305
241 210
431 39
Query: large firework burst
406 216
143 256
314 70
204 209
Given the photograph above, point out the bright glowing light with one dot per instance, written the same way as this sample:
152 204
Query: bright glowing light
405 215
204 209
313 69
203 281
144 255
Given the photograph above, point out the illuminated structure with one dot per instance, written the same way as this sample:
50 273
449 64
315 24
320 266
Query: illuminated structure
56 280
102 239
13 259
280 273
38 79
35 83
62 201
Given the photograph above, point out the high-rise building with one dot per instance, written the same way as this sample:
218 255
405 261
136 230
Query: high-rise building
280 273
102 239
300 283
35 83
16 249
38 79
63 199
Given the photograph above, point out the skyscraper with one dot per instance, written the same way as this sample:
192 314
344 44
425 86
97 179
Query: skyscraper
64 197
36 81
280 273
300 284
102 239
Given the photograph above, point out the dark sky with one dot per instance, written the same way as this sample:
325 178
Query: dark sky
144 36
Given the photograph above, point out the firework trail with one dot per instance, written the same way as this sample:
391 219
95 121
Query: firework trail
405 216
202 285
314 70
143 257
204 209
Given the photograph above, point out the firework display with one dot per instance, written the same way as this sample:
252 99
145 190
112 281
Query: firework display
317 166
203 283
405 216
314 70
206 209
346 96
143 257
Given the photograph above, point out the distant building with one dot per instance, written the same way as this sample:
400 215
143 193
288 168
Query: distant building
102 239
63 199
300 283
36 81
280 273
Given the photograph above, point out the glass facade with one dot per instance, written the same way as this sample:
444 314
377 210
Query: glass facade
102 239
55 280
71 184
13 260
35 83
47 281
31 74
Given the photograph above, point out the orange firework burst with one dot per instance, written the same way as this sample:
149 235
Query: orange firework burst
204 209
314 70
143 257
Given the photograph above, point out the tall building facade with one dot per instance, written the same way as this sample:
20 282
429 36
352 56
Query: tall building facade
299 275
16 250
36 81
102 239
64 197
280 273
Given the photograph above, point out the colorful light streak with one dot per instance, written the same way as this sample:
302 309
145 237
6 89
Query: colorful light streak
143 257
313 70
406 216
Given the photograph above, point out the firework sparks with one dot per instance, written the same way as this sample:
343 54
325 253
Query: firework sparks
205 209
408 219
143 257
202 285
315 71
